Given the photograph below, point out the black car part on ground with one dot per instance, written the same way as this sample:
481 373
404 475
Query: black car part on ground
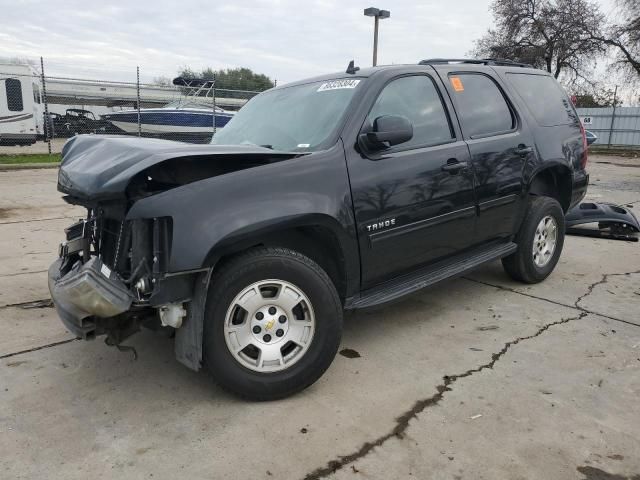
613 221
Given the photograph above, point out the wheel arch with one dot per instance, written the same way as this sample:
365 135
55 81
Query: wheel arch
553 181
318 237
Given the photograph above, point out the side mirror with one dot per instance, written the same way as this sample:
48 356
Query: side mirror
387 130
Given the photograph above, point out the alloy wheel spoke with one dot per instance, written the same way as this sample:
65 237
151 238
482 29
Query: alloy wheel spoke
299 331
251 300
270 355
288 298
239 337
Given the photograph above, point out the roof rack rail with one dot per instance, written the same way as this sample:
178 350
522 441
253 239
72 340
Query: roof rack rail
475 61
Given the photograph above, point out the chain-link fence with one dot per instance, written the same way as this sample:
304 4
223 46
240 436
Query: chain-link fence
38 113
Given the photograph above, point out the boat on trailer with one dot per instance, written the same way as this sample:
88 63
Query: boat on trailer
193 118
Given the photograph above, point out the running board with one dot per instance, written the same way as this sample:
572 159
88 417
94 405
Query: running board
427 276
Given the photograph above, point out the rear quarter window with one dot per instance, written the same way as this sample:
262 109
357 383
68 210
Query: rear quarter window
544 97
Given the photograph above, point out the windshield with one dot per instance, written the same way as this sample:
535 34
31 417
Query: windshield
298 118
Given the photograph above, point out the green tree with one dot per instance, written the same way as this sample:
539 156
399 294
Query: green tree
231 78
597 97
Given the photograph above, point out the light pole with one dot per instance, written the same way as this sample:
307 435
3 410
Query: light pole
377 15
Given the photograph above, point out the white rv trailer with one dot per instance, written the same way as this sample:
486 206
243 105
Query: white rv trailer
21 105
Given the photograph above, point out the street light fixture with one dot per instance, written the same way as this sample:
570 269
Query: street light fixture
377 14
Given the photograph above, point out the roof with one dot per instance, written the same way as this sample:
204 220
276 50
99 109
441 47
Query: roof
426 64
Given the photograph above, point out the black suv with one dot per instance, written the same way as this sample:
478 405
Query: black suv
339 192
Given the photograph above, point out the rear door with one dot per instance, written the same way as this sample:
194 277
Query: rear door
413 202
498 144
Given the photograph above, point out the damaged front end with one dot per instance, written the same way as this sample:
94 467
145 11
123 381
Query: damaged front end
110 277
120 267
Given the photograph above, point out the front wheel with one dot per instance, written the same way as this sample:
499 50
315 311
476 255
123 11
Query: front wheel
539 240
272 325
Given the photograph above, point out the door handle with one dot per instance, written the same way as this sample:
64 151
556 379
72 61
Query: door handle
454 166
523 150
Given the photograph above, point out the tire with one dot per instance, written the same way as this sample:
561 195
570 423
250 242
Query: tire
254 274
523 265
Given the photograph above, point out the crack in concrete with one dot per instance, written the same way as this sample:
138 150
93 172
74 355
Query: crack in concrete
12 222
602 281
402 422
35 349
566 305
42 303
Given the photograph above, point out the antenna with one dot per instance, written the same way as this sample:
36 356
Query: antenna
352 69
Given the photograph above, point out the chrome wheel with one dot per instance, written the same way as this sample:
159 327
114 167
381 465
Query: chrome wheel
544 241
269 326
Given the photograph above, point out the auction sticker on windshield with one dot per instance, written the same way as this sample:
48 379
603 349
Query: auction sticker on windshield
338 84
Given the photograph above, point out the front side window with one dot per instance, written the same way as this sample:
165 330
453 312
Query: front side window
417 99
482 108
300 118
14 94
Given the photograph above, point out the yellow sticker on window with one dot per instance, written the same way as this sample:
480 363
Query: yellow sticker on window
456 83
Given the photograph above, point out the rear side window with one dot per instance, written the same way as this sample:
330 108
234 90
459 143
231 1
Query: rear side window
417 99
14 94
481 106
545 99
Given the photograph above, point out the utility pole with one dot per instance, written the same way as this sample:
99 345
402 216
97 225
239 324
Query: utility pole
613 115
377 15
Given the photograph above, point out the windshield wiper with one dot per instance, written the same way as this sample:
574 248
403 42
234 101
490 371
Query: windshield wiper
270 147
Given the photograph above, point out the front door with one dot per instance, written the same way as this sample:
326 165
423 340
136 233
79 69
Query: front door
414 202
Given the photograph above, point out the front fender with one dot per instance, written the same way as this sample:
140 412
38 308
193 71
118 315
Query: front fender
218 211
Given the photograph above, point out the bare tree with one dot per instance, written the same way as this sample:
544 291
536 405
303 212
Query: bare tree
555 35
624 38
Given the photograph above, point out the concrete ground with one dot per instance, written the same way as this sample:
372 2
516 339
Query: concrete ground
479 377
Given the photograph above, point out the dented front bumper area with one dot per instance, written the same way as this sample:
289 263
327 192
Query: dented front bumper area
111 277
87 295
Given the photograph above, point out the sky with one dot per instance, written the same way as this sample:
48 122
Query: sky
285 39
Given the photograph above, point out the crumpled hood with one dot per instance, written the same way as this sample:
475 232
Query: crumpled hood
99 167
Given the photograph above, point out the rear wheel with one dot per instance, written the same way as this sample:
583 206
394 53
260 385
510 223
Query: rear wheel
272 325
539 240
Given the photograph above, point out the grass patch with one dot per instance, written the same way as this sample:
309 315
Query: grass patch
29 158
